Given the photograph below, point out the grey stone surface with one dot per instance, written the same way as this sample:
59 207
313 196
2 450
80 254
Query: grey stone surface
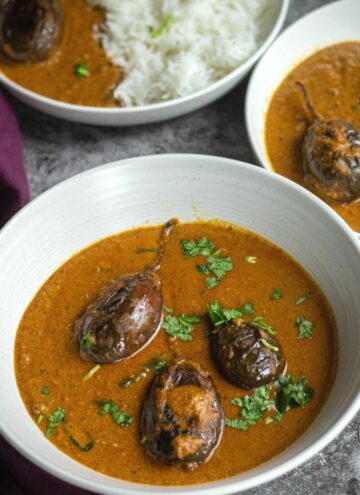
55 150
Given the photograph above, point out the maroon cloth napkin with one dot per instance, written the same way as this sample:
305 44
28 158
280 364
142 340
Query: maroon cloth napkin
14 189
18 476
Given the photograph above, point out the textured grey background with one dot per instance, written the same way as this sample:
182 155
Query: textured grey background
55 150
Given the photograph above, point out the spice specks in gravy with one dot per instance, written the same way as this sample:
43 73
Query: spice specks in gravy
97 420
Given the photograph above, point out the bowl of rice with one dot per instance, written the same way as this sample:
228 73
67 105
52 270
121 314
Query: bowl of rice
197 51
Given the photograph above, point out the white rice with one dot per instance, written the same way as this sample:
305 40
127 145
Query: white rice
205 40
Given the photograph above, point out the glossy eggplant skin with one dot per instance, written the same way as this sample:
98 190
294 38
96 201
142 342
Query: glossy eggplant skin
331 156
182 418
239 351
30 30
124 318
331 151
126 315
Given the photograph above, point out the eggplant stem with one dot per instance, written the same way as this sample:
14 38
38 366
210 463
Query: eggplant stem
155 265
308 104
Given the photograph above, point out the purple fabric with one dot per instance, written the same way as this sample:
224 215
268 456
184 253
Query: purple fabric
18 476
14 189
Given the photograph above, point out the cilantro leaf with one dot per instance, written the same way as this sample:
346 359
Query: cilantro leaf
219 265
216 266
202 247
45 391
83 448
91 372
252 408
266 344
81 70
219 315
155 33
276 295
259 322
212 282
204 269
292 394
303 298
180 327
54 420
87 341
247 308
156 365
305 327
110 407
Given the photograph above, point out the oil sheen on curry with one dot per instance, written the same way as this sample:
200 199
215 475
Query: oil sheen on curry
177 354
312 128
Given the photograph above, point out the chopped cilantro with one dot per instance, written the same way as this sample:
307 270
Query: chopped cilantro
91 372
276 295
251 260
162 28
266 344
110 407
81 70
219 265
303 298
259 322
291 394
180 327
204 269
212 282
45 391
278 417
201 247
216 266
252 408
87 341
156 365
219 315
54 420
83 448
305 327
247 308
129 380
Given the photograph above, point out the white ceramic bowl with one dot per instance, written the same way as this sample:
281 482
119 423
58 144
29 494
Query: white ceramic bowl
276 14
130 193
334 23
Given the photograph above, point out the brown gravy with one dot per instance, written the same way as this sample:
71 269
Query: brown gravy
332 78
55 77
46 354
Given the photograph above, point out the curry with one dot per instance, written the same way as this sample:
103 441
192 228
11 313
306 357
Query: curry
65 74
106 416
331 81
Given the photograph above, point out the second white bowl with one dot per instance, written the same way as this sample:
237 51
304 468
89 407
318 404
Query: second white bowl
276 14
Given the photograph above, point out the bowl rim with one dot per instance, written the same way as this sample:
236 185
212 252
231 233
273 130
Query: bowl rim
226 485
84 109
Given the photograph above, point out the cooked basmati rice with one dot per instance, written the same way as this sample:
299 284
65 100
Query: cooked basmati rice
172 48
